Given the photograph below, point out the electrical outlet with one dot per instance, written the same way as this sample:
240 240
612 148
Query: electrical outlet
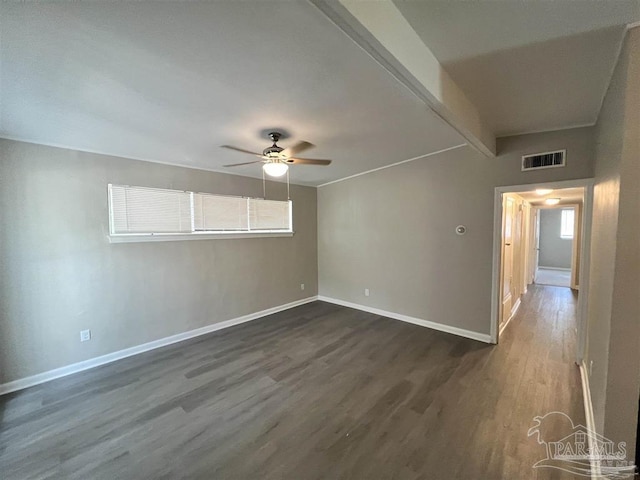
302 286
85 335
366 292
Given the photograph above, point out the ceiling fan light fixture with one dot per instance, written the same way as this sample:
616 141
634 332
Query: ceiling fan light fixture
275 169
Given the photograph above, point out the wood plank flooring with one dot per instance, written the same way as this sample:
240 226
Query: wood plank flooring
316 392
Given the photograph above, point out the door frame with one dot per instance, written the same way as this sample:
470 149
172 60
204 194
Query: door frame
518 226
535 241
502 321
578 212
585 250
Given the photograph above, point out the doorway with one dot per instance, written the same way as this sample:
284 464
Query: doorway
519 215
513 248
557 248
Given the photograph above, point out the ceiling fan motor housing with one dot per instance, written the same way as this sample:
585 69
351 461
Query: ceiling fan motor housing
273 151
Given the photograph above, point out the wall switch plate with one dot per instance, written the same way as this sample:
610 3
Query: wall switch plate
302 286
591 368
366 292
85 335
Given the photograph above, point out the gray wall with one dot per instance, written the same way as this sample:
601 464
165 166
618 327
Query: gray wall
59 274
614 289
555 251
392 231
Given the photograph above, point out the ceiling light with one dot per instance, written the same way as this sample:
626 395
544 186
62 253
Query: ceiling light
552 201
543 191
275 169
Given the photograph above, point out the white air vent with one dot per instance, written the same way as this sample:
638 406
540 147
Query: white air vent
537 161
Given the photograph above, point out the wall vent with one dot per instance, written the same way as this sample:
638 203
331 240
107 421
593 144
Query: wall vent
537 161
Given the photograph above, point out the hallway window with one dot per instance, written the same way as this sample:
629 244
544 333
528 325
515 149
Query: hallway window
566 225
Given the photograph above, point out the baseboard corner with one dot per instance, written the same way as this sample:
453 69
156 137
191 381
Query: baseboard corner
461 332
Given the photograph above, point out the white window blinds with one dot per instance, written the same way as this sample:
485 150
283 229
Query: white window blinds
269 214
216 212
154 211
149 210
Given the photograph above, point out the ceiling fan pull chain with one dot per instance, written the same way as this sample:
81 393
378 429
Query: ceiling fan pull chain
264 188
288 196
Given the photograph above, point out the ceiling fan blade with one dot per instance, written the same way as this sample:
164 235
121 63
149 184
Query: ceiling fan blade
241 150
307 161
297 148
245 163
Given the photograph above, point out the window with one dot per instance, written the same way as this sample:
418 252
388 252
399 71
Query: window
566 223
146 212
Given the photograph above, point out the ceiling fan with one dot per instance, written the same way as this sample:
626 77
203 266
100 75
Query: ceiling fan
276 159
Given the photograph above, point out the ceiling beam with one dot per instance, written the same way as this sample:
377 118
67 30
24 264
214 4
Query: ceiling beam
382 31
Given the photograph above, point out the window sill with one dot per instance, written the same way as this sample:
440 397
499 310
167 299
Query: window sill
176 237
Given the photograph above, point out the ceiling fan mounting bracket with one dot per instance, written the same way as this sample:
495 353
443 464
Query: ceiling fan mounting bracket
274 136
272 153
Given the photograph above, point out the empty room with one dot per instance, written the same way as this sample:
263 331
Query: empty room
319 239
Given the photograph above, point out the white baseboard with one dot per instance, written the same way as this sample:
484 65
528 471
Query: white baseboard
555 268
588 413
513 314
128 352
461 332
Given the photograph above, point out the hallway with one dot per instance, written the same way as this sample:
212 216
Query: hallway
557 278
537 357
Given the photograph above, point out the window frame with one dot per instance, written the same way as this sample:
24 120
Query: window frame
134 237
563 231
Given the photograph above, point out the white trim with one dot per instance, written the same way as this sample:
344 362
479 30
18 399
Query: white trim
513 314
587 183
547 130
496 266
461 332
588 414
16 138
145 347
555 268
585 267
174 237
214 170
393 164
575 247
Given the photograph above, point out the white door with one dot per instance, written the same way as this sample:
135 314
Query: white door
536 243
506 275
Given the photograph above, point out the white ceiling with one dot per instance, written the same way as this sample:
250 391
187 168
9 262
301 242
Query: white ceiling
527 66
566 196
170 82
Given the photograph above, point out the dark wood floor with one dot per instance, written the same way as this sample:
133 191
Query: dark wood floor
319 391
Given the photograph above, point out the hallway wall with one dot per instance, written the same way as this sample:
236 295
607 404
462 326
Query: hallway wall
613 350
555 251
